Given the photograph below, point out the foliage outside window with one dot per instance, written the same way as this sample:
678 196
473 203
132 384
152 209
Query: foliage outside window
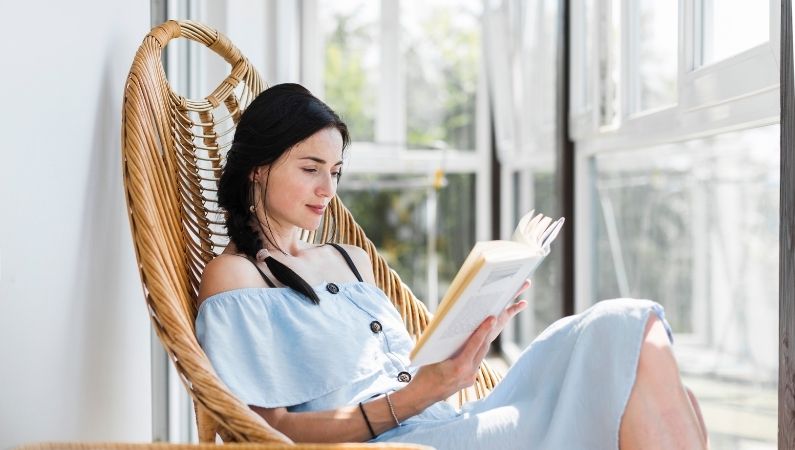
442 48
351 63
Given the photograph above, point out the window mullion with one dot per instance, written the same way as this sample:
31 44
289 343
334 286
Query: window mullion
483 151
312 45
775 30
691 43
390 126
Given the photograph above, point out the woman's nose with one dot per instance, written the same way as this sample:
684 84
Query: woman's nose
327 187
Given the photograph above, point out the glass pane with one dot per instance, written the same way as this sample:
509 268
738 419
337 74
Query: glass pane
547 289
582 50
656 53
442 55
723 18
609 64
455 225
392 210
350 31
695 227
544 298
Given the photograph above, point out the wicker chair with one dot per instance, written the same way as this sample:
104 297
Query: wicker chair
173 148
207 446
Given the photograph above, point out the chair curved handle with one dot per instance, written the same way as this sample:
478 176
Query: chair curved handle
215 41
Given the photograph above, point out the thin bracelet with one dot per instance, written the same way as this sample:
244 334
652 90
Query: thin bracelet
367 420
392 410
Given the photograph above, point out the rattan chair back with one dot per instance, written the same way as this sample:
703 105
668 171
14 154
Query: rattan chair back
173 152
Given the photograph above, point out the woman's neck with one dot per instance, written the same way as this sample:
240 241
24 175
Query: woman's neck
285 241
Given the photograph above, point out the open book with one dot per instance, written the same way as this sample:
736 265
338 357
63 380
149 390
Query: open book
484 286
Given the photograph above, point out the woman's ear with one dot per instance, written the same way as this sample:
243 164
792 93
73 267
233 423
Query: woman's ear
256 174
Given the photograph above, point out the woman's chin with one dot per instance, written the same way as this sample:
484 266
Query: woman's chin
311 225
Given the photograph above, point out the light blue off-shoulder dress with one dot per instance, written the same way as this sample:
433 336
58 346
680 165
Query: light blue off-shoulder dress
568 390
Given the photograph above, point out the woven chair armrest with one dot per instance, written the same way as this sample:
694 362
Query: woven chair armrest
209 446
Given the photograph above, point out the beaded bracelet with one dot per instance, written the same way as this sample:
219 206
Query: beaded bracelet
392 410
367 420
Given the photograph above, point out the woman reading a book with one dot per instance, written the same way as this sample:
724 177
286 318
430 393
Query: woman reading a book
301 334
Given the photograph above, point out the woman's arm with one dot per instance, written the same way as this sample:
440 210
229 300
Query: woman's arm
432 383
226 272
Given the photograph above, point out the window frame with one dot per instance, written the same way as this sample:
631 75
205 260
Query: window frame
695 114
786 370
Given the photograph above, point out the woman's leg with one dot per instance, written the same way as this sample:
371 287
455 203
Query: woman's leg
697 409
660 413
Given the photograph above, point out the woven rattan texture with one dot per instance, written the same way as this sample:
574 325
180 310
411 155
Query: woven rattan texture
173 149
234 446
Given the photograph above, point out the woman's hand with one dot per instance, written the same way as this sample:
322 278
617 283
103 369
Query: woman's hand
443 379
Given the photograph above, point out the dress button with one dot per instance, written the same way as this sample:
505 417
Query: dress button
404 377
375 326
333 288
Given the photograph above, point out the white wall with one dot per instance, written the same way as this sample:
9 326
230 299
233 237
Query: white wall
74 333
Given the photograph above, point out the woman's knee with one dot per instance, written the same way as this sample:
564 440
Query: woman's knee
656 354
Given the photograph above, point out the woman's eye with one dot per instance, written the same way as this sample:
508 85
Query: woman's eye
310 170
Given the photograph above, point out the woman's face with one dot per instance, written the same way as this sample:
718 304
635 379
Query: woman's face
302 182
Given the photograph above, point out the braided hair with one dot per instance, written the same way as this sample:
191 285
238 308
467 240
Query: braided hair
278 119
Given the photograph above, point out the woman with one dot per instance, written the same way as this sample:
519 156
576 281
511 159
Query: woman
301 333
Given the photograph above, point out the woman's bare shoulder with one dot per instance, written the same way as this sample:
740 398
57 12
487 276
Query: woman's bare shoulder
361 260
227 272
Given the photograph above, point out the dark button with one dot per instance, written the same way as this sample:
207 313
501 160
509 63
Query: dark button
375 326
404 377
333 288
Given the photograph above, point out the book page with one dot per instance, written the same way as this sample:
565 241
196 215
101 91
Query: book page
496 285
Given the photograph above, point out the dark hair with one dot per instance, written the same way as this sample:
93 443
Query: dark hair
278 119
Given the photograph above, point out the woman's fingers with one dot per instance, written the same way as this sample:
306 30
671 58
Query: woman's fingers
505 316
510 311
476 341
482 351
525 286
477 345
516 307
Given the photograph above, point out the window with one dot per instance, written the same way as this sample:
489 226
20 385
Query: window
677 192
409 82
694 225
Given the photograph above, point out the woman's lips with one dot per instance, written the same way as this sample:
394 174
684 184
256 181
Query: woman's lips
317 209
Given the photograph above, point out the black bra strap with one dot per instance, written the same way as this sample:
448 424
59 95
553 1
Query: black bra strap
347 260
264 277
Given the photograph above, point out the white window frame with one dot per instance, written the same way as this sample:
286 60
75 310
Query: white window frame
735 93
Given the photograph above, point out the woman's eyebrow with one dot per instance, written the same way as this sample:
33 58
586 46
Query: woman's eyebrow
319 160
